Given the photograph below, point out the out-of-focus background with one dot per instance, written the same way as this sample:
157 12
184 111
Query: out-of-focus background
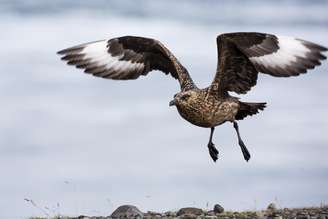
75 144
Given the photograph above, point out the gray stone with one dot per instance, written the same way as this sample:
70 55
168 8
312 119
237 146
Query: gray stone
127 211
210 213
277 217
153 213
170 214
218 209
188 216
211 217
302 216
272 207
190 211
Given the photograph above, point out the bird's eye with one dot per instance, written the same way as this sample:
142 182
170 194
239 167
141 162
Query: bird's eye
185 97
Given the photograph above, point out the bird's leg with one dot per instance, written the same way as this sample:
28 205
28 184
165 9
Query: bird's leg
246 154
211 147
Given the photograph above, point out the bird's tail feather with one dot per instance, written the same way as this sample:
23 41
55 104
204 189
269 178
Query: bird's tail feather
248 109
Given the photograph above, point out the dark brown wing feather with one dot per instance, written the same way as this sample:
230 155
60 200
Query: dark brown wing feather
242 55
248 109
126 58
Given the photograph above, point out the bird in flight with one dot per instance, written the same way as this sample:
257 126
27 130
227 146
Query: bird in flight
241 57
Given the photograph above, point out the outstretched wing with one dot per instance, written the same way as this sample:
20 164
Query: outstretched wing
126 58
242 55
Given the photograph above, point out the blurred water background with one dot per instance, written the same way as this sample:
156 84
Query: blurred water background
76 144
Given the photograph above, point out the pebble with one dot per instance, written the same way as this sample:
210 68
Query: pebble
218 209
127 211
132 212
272 207
190 211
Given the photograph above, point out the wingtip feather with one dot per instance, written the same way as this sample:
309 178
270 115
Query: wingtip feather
60 52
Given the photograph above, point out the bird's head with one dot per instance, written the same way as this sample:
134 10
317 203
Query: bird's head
183 98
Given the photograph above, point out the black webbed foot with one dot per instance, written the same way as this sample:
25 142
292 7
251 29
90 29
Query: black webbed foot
213 151
243 147
246 153
211 147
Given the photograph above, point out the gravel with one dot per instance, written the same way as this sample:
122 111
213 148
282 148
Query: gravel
132 212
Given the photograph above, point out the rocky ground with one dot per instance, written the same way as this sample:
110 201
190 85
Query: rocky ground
132 212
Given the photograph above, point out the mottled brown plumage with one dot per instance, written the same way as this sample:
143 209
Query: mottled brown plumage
241 56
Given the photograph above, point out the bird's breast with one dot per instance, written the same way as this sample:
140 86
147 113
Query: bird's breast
209 113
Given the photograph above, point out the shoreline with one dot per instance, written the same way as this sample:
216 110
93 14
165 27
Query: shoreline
130 211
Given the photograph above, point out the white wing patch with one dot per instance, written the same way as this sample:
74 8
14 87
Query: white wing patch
98 52
289 50
95 58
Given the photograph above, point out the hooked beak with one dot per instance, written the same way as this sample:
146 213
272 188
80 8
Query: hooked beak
172 103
